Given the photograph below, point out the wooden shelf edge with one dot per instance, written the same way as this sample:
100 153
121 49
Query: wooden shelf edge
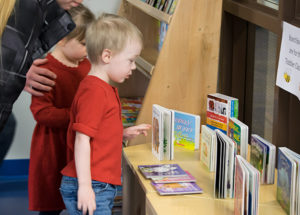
151 11
144 66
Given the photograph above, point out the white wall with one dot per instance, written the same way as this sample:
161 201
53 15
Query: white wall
20 148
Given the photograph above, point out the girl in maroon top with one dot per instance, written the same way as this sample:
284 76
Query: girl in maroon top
52 114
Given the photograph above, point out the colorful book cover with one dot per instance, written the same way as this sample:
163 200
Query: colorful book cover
258 156
160 170
186 130
238 132
177 188
163 28
284 181
173 7
219 108
175 179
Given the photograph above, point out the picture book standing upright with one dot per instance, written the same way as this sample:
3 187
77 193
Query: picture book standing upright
162 146
186 130
238 132
208 148
219 109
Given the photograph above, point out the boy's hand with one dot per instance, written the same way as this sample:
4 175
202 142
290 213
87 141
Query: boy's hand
86 199
39 79
133 131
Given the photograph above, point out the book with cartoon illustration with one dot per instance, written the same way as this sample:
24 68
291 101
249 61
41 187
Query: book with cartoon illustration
262 157
238 132
219 109
174 179
161 170
177 188
286 180
185 130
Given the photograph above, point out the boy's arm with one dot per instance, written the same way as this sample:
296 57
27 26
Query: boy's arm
86 196
133 131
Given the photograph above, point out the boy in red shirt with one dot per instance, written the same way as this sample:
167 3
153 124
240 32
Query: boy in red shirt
52 113
95 131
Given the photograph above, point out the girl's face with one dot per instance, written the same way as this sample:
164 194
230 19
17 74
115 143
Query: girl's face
122 64
68 4
74 51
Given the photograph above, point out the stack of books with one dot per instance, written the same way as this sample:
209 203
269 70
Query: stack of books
288 180
219 109
246 188
167 6
262 157
170 179
130 110
172 127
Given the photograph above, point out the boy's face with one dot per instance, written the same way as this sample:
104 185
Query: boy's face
122 63
68 4
74 50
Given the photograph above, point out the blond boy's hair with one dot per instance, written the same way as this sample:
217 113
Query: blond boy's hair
111 32
82 17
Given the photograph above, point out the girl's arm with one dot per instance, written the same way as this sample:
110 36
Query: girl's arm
86 196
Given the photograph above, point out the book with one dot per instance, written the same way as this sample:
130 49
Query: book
208 147
246 188
238 132
225 166
262 157
185 130
174 179
161 170
130 110
162 146
177 188
163 28
288 180
219 109
173 7
172 127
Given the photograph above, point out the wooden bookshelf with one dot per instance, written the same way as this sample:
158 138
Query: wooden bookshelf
185 70
151 11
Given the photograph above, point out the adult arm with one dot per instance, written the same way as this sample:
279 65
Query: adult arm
39 80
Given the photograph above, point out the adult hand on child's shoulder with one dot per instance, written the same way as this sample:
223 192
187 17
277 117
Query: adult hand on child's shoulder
133 131
39 80
86 199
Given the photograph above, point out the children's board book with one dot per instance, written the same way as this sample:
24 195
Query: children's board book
262 157
225 163
177 188
247 180
219 109
208 147
174 179
172 127
161 170
288 180
162 146
238 132
185 130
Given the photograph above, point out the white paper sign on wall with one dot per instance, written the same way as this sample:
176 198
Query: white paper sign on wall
288 74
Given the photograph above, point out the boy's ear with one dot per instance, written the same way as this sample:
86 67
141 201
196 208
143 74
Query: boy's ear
106 55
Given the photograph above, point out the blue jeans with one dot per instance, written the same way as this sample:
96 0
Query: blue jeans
104 193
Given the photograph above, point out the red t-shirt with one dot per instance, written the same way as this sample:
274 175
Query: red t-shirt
48 145
96 112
